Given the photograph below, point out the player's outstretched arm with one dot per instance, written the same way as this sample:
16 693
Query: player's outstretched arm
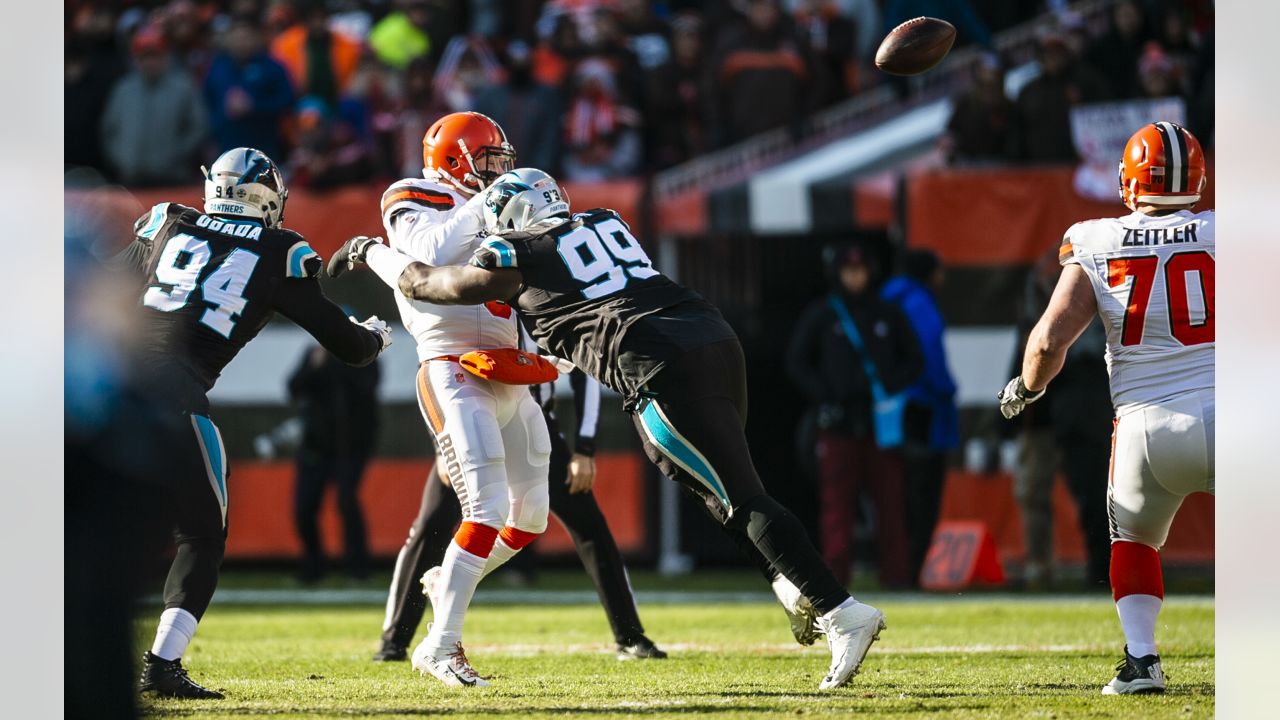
453 285
1070 311
302 301
458 284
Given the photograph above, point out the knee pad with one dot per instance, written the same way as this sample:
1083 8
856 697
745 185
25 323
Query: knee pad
530 505
535 426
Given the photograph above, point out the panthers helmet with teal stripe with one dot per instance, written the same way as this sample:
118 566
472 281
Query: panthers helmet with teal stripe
246 183
522 198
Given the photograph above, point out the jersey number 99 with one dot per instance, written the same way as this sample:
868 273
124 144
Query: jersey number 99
605 256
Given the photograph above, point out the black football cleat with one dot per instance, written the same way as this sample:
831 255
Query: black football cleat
391 652
167 678
641 648
1136 676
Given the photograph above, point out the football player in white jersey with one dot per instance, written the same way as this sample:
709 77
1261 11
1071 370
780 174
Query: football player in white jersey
1150 276
491 436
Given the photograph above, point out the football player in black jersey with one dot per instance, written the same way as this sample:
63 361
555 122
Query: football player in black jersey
587 291
209 281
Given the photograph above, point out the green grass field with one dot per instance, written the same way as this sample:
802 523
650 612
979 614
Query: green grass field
979 657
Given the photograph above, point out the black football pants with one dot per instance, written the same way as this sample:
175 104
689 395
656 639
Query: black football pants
580 514
691 418
199 496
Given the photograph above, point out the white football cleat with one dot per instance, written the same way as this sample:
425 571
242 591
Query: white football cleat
450 667
800 612
431 584
850 630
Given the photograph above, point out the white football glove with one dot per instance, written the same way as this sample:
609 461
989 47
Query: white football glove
1015 397
377 327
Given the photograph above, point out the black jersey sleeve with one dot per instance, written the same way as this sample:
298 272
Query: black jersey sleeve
498 252
135 258
302 301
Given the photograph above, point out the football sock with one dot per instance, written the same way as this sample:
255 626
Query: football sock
782 540
177 627
1138 586
511 540
459 574
502 552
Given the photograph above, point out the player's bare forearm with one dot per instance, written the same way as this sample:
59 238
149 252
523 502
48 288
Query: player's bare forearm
1070 311
459 284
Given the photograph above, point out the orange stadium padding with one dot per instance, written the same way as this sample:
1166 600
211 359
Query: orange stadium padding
1000 216
989 498
328 218
260 517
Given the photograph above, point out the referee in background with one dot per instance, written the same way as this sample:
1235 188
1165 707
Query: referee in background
571 478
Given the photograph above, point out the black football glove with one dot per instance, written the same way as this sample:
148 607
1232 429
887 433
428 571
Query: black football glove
350 254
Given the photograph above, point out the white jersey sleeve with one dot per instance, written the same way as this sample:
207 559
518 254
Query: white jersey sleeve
433 223
430 222
1153 278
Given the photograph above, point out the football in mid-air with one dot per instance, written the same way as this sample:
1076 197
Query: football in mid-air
915 46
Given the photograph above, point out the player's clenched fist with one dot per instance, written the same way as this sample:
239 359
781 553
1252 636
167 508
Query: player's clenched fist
1016 397
351 253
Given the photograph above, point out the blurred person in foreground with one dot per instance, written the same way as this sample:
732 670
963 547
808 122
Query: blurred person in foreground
155 120
207 282
248 93
118 453
338 405
1150 276
931 421
666 350
1067 433
841 370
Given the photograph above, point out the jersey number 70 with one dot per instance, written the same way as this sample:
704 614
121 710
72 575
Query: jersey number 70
1177 268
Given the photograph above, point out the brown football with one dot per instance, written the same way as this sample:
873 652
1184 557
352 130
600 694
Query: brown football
915 46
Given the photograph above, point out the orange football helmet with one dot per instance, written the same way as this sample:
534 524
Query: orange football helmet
1162 165
469 149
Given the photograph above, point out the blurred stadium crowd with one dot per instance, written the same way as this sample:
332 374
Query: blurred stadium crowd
339 91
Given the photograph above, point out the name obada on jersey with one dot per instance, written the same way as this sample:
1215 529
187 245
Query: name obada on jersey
238 229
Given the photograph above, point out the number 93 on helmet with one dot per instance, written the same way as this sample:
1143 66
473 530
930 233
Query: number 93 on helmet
522 198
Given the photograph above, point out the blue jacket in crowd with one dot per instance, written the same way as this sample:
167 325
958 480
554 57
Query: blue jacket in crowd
935 389
267 84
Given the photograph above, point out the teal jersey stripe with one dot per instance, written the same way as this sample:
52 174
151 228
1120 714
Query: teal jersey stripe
297 254
158 214
680 450
506 259
212 442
